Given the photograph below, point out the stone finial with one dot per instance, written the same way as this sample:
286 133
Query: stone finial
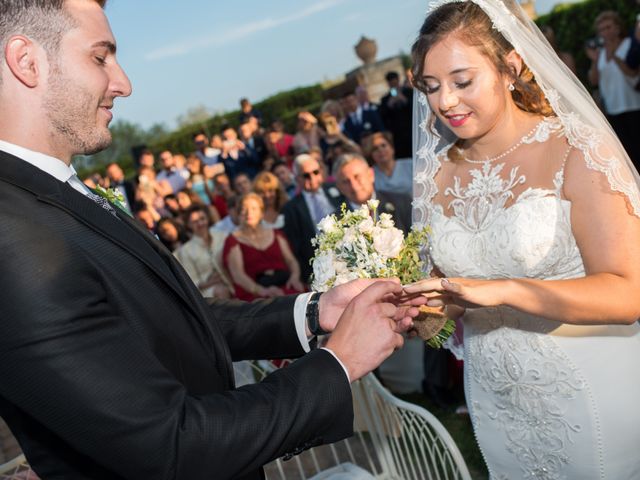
366 50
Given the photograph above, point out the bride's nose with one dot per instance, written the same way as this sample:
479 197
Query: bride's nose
448 98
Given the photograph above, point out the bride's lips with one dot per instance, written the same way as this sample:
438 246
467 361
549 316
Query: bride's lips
457 120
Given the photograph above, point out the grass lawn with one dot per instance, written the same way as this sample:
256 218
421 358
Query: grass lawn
459 426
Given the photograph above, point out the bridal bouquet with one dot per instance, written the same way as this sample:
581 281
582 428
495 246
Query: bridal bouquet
358 244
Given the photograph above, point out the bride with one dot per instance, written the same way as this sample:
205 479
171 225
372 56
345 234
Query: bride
534 210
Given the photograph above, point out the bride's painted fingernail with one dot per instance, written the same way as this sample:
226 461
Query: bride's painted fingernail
444 280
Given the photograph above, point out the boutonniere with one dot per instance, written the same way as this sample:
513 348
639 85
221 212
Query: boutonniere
333 192
113 196
366 125
389 207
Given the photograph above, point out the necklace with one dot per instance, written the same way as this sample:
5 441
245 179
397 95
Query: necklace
510 150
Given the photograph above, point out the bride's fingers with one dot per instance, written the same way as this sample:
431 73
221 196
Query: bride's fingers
451 287
424 286
441 300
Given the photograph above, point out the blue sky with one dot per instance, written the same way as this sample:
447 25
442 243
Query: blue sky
181 54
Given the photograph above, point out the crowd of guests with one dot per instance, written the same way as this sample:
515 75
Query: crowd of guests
239 211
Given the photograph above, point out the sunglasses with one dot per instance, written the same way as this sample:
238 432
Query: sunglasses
308 175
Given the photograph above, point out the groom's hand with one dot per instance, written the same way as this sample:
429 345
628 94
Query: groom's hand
333 302
370 327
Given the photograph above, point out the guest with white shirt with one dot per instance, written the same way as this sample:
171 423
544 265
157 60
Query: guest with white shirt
201 256
616 81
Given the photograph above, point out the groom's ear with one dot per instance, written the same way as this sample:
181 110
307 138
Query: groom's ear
514 62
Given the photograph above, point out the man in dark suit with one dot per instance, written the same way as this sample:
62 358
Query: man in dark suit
359 122
355 180
112 365
396 110
302 213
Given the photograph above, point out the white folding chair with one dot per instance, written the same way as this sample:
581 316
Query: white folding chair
393 440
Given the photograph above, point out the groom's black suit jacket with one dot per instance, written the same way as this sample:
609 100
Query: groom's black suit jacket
113 366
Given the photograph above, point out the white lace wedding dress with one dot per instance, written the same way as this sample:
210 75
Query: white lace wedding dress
548 400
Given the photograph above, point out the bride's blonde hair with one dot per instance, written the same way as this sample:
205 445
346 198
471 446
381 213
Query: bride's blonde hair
471 24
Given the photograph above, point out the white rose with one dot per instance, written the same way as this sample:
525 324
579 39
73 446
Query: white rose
345 277
362 211
373 204
350 237
388 241
323 270
386 220
328 224
340 267
366 225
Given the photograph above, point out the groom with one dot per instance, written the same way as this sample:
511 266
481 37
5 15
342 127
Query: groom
111 364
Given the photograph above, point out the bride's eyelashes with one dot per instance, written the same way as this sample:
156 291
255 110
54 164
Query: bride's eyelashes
458 85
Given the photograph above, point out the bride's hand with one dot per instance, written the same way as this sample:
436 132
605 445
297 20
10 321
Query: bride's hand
464 292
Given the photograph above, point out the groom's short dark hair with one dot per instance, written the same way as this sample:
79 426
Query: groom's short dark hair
44 21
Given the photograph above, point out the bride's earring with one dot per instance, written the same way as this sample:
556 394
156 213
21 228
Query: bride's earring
511 87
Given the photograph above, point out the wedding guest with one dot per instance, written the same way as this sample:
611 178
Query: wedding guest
391 175
235 157
207 154
222 191
359 122
146 159
254 143
259 259
286 178
396 109
148 191
616 81
147 217
172 206
333 141
633 55
170 233
229 222
187 198
273 196
280 143
171 178
119 183
197 182
242 184
247 110
201 256
334 108
303 212
356 181
307 135
364 101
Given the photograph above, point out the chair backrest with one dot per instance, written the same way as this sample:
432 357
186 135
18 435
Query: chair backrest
393 440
